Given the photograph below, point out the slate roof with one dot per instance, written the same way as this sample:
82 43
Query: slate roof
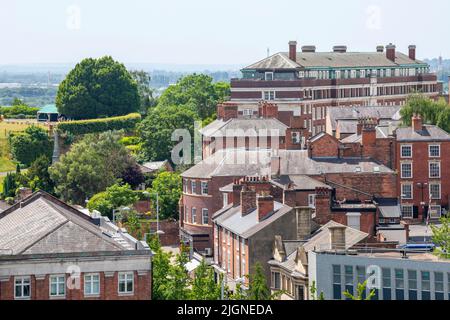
353 113
299 182
241 126
331 60
429 133
42 224
153 166
389 208
231 219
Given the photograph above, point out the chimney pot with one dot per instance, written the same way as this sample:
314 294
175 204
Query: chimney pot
390 52
293 50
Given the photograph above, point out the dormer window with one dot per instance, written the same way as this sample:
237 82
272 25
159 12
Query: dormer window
268 76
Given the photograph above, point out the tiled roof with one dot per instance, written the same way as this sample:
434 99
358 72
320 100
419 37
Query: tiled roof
332 60
42 224
429 133
353 113
299 182
241 126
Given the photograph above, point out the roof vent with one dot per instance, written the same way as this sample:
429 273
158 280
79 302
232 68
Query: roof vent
309 49
340 49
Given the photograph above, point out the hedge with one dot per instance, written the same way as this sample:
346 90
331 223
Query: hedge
79 127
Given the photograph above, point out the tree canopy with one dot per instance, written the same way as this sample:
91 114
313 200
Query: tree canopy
168 185
196 92
114 197
97 88
441 238
27 146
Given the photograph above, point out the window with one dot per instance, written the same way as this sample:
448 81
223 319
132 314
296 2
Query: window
276 280
193 186
407 211
386 273
425 276
312 200
434 151
225 199
205 216
349 278
435 190
407 191
296 138
406 170
268 76
354 220
439 285
22 287
337 293
412 284
247 112
194 215
269 95
126 282
435 169
204 185
58 286
406 151
184 185
92 284
300 292
399 285
435 212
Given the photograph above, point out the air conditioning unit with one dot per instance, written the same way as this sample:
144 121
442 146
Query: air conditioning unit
208 251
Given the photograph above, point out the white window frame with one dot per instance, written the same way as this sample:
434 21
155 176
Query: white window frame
438 209
440 190
271 95
412 211
203 216
58 283
405 146
429 170
225 199
127 277
439 150
356 218
193 186
247 112
296 137
24 281
89 284
202 187
411 190
312 201
266 76
194 215
401 170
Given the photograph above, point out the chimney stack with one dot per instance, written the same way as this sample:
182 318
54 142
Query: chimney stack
359 127
368 132
265 206
275 165
340 49
293 50
268 110
24 193
412 52
416 121
304 216
337 237
309 49
390 52
237 188
380 49
248 200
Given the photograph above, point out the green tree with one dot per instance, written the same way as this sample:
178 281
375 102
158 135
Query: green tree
91 166
313 292
157 128
197 92
441 238
39 175
360 293
145 91
258 288
444 119
160 268
97 88
204 286
168 186
177 286
115 196
27 146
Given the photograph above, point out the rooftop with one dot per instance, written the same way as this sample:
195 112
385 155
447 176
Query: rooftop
428 133
241 126
354 113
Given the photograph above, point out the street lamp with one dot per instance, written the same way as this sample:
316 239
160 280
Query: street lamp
158 232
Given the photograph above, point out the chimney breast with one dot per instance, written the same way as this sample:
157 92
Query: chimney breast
412 52
265 206
390 52
337 237
293 50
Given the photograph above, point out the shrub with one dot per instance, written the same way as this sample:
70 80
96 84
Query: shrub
80 127
30 144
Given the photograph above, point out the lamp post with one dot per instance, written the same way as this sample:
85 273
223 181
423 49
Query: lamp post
422 186
158 232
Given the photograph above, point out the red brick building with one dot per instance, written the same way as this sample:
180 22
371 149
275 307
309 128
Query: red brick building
307 83
51 251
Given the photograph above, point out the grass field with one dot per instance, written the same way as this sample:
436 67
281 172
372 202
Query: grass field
6 164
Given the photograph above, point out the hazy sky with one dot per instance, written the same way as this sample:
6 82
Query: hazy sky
213 31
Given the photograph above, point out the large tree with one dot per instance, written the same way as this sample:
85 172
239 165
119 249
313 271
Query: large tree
197 92
145 91
93 164
29 145
157 128
97 88
168 186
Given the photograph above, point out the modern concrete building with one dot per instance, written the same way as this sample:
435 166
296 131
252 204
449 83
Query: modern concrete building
49 250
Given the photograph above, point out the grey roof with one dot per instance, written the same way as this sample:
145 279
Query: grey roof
242 126
347 126
389 208
298 182
153 166
231 218
332 60
353 113
240 163
42 224
321 239
428 133
381 132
